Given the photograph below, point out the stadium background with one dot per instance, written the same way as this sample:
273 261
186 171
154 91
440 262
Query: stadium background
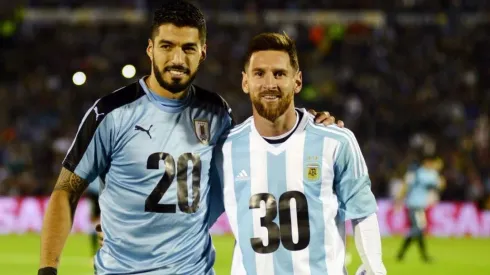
407 76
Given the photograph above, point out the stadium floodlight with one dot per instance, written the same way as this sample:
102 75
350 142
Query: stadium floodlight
129 71
79 78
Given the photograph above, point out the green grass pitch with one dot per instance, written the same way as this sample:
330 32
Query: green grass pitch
19 255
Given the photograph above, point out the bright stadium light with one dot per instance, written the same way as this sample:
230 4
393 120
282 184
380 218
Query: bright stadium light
79 78
129 71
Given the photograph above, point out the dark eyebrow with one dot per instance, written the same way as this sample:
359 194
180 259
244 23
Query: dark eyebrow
274 70
189 45
163 41
284 71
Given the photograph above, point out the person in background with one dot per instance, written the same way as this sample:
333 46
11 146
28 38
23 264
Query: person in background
422 190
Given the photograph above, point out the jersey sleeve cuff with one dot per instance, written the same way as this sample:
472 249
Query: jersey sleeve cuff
360 213
68 165
72 168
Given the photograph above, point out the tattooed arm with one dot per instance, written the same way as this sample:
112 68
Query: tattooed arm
59 216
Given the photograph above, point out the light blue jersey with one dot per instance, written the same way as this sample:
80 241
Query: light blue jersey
153 157
287 203
423 181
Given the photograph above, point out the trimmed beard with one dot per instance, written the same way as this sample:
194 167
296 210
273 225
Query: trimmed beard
174 87
271 113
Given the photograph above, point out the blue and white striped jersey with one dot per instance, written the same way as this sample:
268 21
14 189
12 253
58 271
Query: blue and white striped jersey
287 203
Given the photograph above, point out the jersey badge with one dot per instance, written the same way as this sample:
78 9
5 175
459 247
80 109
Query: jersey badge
201 128
312 172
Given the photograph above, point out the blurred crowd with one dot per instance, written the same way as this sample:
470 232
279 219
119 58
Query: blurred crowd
407 5
403 90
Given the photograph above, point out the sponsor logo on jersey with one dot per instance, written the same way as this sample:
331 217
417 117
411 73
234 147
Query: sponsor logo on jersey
140 128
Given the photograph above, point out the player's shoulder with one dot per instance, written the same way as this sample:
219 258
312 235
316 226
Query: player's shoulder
119 98
342 135
426 172
422 170
210 100
238 131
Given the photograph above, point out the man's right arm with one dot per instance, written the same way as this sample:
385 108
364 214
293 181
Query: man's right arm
87 158
59 216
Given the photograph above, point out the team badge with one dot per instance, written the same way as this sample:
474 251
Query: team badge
201 128
312 172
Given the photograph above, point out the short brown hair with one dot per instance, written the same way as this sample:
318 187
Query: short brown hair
271 41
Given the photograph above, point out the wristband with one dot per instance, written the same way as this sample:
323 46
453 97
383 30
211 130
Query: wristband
47 271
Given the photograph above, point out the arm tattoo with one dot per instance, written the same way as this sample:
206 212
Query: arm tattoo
71 183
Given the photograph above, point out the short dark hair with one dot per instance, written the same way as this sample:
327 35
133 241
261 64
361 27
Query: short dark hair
271 41
181 14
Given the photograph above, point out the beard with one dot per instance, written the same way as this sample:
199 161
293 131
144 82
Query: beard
273 110
176 85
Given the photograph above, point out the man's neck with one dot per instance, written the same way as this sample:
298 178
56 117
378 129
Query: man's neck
155 87
280 126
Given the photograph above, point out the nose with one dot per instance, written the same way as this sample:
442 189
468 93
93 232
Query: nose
270 82
178 56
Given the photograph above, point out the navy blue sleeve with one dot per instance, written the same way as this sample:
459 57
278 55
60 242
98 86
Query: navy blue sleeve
216 199
90 152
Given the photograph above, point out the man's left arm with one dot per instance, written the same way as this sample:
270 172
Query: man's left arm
368 243
357 202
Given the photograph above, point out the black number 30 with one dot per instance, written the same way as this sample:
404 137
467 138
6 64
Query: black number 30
152 202
283 231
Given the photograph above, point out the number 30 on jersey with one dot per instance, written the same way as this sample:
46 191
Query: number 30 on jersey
284 231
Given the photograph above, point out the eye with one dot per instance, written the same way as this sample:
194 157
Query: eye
165 46
279 74
190 50
258 73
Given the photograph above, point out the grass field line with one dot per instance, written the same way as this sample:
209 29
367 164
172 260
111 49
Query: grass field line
19 259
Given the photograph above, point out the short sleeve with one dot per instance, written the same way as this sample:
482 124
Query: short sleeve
351 182
90 152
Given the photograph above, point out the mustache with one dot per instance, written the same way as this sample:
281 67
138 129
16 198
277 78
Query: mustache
177 68
271 93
